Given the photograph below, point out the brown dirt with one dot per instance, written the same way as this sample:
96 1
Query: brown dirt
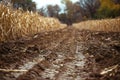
66 54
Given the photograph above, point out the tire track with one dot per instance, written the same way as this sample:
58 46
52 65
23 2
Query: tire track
55 62
72 68
29 64
63 59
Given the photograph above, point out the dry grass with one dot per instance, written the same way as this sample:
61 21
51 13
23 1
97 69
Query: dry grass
16 23
100 25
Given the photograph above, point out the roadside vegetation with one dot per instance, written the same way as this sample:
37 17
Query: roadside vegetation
100 25
18 23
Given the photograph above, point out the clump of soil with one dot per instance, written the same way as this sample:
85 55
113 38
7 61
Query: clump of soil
103 49
61 51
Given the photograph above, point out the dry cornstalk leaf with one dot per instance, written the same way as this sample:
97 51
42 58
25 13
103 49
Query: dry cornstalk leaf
12 70
109 69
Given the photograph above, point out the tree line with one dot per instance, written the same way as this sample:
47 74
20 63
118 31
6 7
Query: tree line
23 4
74 12
83 10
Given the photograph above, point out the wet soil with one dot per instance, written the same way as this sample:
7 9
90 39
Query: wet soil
66 54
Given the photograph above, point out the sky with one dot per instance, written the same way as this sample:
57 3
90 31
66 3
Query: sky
43 3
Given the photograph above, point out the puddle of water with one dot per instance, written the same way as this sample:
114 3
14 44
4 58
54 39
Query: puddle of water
55 66
79 78
79 56
49 73
71 66
27 66
79 64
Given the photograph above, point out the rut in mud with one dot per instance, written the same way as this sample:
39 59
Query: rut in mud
66 54
55 56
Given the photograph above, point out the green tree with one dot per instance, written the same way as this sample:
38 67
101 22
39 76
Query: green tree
108 9
24 4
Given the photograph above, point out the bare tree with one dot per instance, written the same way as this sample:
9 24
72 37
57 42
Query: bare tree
57 10
6 2
53 11
90 7
117 1
24 4
42 11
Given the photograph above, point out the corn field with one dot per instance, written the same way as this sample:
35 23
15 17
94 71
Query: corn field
17 23
100 25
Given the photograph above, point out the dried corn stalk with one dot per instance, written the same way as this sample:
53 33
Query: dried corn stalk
100 25
16 23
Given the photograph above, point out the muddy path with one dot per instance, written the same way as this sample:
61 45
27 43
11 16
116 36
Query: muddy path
66 54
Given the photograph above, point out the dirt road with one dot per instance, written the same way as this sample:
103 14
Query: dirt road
66 54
